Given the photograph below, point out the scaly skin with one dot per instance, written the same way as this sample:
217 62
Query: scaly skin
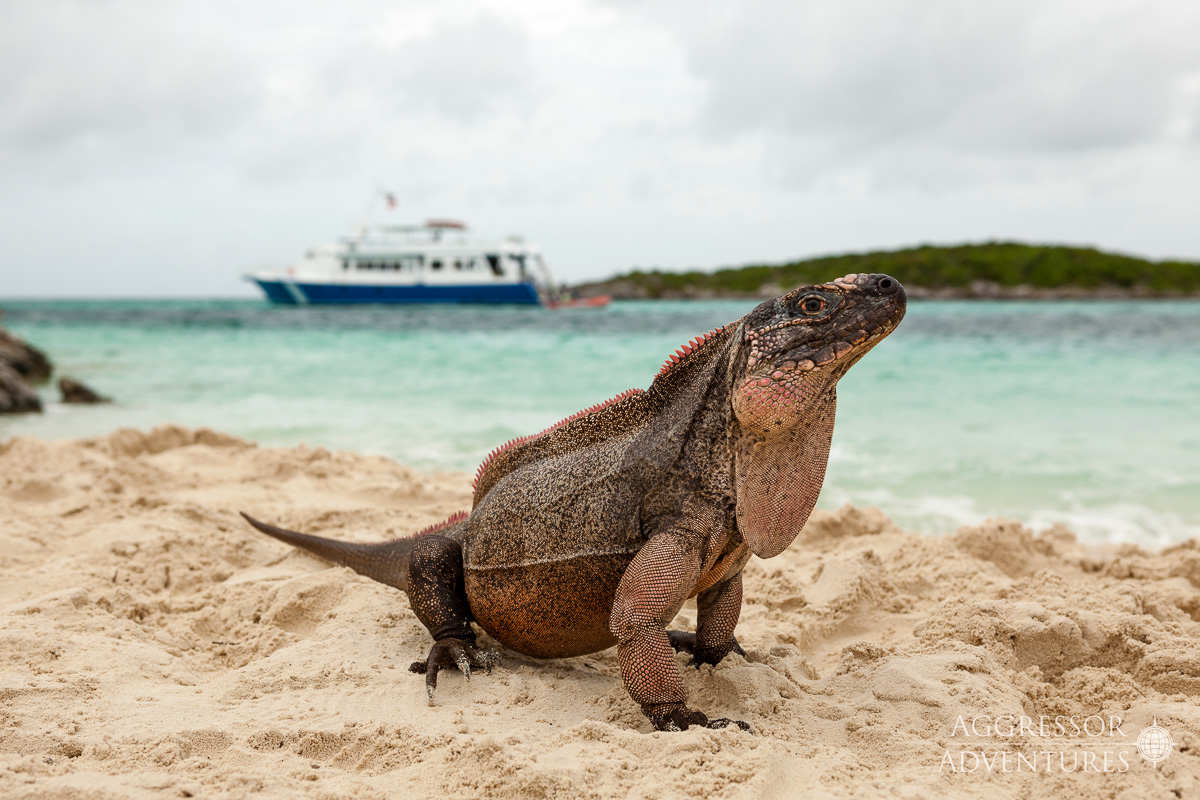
594 532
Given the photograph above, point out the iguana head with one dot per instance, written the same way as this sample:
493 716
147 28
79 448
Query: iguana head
797 346
794 350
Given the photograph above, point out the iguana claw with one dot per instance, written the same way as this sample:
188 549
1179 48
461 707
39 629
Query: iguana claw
449 653
685 642
684 718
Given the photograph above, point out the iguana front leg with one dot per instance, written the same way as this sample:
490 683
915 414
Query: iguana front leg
717 612
650 594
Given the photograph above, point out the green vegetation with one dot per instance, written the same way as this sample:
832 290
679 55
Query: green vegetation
1007 265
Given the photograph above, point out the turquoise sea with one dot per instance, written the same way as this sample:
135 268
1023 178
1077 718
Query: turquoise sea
1086 413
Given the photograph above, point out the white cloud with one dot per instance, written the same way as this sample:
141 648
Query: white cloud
921 85
464 70
232 134
119 75
995 77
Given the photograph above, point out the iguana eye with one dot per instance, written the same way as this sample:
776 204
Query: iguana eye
813 304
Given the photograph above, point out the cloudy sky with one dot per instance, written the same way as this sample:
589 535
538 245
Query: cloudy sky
162 148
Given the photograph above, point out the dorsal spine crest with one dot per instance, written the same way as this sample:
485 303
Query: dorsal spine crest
492 456
454 519
686 350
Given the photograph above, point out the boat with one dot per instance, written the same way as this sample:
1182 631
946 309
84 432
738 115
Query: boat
437 262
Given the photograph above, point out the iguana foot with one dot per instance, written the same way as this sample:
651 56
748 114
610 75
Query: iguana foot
450 653
683 718
685 642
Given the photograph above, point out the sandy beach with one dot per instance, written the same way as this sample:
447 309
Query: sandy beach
153 645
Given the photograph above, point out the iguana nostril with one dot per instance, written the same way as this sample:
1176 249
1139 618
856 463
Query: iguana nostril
887 285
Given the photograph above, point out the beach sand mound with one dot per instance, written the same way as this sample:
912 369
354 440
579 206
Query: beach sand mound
152 645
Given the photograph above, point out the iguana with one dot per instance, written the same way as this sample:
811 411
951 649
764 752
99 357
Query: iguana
595 531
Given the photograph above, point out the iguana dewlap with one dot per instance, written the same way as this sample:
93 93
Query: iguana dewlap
595 531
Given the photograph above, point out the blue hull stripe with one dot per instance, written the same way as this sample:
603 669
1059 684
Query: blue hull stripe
325 294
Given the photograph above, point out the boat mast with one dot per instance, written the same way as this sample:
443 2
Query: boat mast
363 226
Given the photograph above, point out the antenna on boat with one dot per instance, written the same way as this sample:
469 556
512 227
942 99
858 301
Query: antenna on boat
388 198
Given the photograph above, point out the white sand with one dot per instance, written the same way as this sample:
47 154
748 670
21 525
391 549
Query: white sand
153 645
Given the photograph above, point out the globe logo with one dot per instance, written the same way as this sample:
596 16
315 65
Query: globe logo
1154 743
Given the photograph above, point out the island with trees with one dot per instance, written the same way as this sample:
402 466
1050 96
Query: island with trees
992 270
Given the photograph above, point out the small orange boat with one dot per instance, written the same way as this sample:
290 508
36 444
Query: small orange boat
583 302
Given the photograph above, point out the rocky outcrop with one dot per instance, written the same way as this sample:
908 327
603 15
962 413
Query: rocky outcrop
29 362
74 391
21 365
16 395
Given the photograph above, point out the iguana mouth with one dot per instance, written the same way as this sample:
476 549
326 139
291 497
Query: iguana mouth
804 359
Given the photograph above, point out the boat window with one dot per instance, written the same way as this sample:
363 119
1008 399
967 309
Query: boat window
494 262
436 264
457 263
345 263
520 259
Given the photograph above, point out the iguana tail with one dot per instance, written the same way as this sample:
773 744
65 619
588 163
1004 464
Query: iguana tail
386 562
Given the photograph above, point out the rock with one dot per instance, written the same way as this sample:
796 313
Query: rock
75 392
15 394
29 362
